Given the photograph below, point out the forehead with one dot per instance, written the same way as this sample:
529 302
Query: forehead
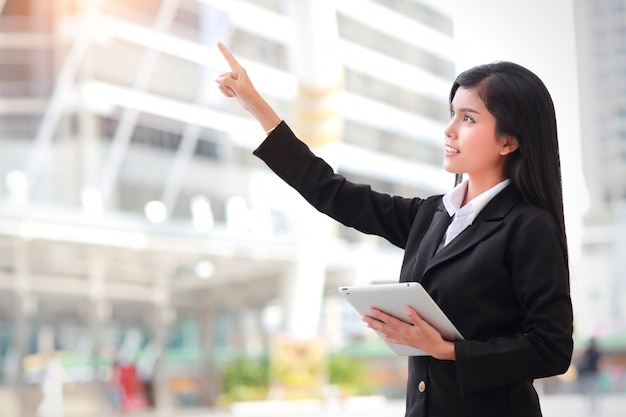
468 97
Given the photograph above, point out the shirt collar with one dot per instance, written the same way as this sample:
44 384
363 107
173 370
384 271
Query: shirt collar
453 199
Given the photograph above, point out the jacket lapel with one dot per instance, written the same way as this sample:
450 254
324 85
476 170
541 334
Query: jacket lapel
486 223
430 243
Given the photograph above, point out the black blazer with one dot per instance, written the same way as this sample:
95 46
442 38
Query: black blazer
503 282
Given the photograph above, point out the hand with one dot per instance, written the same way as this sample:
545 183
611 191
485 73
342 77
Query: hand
418 334
237 84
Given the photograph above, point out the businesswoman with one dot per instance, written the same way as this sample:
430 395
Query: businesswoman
492 252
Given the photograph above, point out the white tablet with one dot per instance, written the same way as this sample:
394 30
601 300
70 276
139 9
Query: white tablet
393 299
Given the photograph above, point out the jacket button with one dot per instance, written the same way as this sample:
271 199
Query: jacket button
422 386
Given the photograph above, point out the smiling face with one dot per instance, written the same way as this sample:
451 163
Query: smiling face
473 145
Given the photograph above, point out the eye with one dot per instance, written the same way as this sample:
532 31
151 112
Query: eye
468 119
451 113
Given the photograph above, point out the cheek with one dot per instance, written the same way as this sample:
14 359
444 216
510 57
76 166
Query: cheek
480 152
480 142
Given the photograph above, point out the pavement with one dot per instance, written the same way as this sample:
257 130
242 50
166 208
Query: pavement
613 405
608 405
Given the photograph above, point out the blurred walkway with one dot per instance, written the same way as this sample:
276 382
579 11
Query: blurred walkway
613 405
553 406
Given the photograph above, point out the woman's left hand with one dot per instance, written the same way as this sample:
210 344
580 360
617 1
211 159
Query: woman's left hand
418 334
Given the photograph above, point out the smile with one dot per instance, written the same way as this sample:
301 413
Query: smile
451 150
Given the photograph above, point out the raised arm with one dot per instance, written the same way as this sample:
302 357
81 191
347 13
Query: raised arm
237 84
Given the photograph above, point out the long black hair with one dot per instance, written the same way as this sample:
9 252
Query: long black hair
523 108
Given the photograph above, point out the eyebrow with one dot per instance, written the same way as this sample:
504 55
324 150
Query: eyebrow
465 110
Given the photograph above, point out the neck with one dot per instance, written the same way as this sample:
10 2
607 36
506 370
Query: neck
476 187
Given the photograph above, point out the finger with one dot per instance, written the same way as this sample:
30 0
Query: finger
226 84
371 321
223 79
378 313
413 316
224 88
232 62
228 92
386 318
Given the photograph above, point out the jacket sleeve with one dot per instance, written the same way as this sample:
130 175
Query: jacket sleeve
353 205
543 348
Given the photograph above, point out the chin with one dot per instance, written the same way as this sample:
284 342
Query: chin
451 170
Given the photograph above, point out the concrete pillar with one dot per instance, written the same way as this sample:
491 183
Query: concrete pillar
90 151
245 337
618 278
256 337
22 319
23 311
316 61
334 321
239 328
162 316
207 334
303 283
98 312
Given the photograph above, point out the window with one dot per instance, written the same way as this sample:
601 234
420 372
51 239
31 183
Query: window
371 38
421 13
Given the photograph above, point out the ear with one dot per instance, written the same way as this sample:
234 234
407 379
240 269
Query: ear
509 145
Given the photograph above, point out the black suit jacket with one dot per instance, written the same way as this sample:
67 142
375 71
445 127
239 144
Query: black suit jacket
503 282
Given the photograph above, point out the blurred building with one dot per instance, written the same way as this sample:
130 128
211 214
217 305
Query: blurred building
601 40
133 216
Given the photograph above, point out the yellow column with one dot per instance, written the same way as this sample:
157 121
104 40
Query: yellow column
317 64
316 114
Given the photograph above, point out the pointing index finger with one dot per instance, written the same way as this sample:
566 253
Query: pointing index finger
232 62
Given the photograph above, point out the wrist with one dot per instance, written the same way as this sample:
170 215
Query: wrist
447 351
268 131
265 115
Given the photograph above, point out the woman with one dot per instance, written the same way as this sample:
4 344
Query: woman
492 252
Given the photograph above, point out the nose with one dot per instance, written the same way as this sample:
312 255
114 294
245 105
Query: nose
449 130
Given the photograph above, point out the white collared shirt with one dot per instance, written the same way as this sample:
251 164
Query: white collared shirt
464 216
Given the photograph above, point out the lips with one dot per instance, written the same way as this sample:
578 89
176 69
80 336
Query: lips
450 149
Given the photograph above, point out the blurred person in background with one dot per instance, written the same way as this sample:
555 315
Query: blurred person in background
53 380
125 389
130 386
492 252
588 374
113 384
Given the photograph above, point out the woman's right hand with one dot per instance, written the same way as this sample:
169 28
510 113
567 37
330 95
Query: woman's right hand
237 84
